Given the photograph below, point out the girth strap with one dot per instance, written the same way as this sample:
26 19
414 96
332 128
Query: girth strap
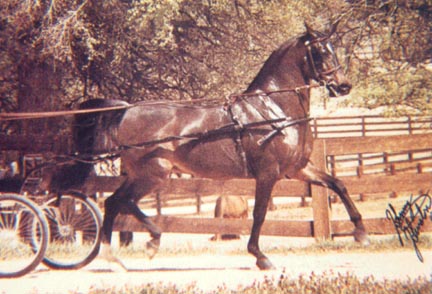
281 127
238 142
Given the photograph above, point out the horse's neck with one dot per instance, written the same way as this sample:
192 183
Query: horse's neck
294 103
283 80
292 96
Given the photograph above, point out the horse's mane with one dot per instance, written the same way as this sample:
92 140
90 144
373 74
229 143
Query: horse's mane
275 58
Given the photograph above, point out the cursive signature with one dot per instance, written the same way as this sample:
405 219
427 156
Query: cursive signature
410 219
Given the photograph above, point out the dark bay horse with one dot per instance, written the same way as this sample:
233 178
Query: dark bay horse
262 134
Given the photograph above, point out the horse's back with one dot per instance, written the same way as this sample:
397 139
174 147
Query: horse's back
147 122
101 103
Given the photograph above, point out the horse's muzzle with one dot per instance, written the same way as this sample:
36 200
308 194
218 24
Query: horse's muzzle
336 90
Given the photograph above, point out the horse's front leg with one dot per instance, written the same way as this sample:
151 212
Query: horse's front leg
112 209
315 176
262 197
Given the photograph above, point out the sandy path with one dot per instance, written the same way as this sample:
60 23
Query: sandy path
209 271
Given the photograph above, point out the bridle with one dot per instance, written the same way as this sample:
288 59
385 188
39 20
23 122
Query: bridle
321 77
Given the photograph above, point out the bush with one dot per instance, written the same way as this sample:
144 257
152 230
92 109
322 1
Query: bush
327 283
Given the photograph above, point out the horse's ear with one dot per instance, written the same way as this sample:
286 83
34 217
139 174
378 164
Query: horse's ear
334 27
309 30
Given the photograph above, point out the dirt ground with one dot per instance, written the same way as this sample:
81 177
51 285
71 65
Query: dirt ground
219 268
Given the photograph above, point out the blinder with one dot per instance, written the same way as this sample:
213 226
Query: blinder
320 76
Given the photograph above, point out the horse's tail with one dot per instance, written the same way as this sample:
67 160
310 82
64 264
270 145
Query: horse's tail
92 133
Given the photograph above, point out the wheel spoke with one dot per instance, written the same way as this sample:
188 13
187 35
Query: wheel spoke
23 235
75 230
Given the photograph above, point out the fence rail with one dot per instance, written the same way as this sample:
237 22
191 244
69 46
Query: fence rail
362 126
339 228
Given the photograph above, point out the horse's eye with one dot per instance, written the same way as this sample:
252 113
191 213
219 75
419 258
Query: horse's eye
323 49
318 55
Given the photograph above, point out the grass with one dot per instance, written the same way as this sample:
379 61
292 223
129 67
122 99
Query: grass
378 245
136 250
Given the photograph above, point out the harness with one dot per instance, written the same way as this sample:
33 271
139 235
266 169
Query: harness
279 125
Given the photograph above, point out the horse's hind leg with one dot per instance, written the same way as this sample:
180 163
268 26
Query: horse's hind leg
315 176
155 233
123 200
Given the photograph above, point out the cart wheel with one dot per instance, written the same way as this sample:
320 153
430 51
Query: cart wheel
75 222
23 235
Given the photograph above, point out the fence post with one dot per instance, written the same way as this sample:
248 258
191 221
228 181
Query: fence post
363 124
333 165
198 202
320 201
410 131
158 203
315 124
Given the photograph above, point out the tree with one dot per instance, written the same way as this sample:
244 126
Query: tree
55 53
389 50
64 51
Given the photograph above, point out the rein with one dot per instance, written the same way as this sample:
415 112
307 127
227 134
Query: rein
233 97
47 114
9 116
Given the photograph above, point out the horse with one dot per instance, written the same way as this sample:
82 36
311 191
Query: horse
262 134
229 206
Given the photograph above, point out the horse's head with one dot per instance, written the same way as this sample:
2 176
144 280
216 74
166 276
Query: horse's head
322 62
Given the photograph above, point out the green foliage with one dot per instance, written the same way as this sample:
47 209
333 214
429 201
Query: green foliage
388 50
402 90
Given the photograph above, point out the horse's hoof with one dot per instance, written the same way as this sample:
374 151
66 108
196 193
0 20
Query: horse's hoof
362 237
151 249
117 265
264 263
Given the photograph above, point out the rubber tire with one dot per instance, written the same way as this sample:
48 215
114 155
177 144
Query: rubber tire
91 205
44 233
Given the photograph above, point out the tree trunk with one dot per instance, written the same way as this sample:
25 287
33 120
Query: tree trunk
39 90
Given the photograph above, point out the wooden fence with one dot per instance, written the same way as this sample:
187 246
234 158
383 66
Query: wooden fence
411 175
372 125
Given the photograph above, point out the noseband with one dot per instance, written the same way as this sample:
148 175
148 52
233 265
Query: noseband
319 76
